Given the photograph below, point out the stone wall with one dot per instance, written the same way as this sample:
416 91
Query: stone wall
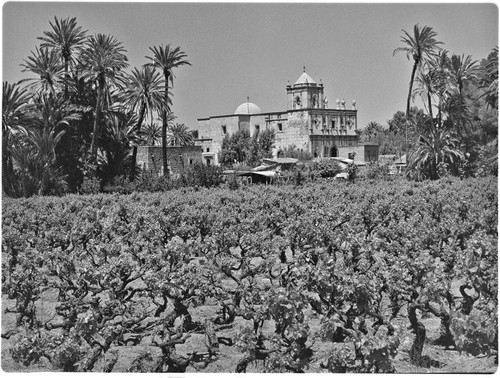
363 153
150 158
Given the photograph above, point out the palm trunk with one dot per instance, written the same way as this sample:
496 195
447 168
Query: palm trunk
134 150
96 130
66 78
408 103
429 102
164 128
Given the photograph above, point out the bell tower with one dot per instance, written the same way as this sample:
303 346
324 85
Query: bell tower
305 94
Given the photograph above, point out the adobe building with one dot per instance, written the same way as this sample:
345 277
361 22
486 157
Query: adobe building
307 123
150 158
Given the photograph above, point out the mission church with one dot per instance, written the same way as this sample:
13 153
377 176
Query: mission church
307 123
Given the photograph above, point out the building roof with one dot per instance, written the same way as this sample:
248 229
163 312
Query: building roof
305 79
247 108
280 160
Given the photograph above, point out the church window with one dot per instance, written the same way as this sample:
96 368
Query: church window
224 130
298 101
333 123
208 149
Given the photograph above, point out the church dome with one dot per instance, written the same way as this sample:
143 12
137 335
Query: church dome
247 108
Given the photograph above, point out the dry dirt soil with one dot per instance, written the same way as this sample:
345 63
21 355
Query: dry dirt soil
449 360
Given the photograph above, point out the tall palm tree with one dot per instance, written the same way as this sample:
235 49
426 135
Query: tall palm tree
426 89
102 60
463 70
64 38
439 66
166 59
44 63
180 135
419 46
143 92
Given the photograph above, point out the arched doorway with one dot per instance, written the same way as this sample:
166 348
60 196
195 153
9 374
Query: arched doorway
333 151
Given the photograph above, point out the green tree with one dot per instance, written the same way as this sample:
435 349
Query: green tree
261 146
102 61
142 93
240 147
166 58
64 38
235 148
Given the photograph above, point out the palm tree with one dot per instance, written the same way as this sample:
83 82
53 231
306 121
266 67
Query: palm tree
438 148
34 156
65 37
14 108
166 59
422 45
489 80
115 159
52 112
151 134
371 130
44 63
426 89
102 60
142 93
463 70
180 135
439 66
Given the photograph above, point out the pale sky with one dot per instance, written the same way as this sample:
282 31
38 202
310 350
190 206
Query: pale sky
239 50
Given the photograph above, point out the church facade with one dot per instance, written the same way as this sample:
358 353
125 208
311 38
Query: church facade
307 123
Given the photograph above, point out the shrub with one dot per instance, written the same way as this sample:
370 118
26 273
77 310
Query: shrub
377 170
325 168
293 152
199 174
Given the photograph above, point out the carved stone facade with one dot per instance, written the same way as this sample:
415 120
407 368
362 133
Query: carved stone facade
308 124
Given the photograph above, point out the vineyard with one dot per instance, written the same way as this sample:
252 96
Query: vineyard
375 276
